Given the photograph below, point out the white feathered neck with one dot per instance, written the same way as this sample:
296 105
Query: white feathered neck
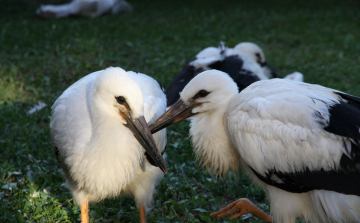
211 143
207 129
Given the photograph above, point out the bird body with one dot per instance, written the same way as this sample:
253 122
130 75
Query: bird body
279 133
95 146
92 8
298 141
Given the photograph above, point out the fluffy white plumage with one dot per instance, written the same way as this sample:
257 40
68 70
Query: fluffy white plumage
99 155
279 116
299 142
92 8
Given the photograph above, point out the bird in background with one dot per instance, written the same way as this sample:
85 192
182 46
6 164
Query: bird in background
300 142
245 63
92 8
102 141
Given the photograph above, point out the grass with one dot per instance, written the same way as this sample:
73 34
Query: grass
39 59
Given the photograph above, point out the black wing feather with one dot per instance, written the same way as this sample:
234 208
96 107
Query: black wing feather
344 121
340 181
245 78
232 65
179 82
345 117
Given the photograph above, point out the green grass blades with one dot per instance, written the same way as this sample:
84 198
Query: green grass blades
40 58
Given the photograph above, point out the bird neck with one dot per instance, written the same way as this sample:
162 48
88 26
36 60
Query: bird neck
211 142
114 156
112 140
106 122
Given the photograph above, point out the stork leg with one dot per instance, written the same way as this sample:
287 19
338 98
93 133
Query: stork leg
241 207
85 211
142 214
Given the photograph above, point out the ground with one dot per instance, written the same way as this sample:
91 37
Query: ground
40 58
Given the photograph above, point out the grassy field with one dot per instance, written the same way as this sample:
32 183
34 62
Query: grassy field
39 59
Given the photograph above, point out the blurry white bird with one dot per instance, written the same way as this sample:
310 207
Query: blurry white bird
102 141
245 64
253 51
300 142
92 8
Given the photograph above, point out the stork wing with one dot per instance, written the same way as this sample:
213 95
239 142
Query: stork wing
233 65
345 117
70 111
179 82
298 137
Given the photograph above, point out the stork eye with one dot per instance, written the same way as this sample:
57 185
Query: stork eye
258 58
203 93
121 100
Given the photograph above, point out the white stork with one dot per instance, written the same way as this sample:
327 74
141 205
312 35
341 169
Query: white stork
92 8
300 142
245 63
102 141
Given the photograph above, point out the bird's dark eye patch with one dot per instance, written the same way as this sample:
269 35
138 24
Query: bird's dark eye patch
202 93
121 100
258 58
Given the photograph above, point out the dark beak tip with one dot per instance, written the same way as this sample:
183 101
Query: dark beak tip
163 168
165 171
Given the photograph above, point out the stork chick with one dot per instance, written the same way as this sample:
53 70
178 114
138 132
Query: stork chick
102 141
300 142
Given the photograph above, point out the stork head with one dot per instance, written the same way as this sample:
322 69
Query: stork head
117 96
208 52
255 52
206 92
252 50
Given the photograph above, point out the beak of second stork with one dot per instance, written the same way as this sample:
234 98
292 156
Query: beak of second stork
141 131
179 111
